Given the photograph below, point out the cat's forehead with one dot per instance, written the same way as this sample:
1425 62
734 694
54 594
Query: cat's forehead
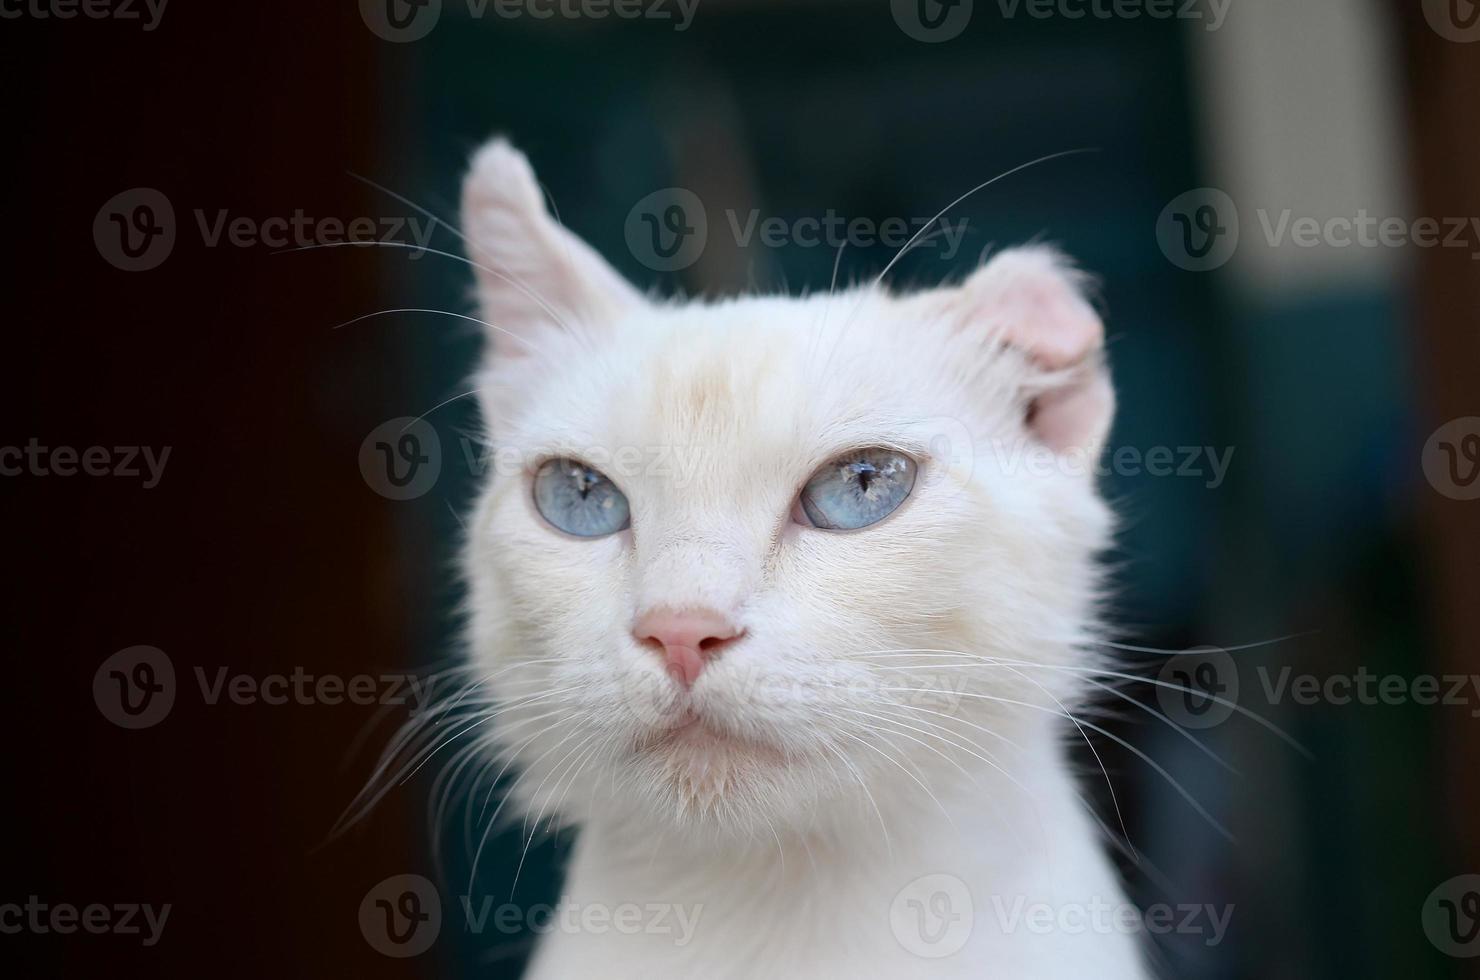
759 373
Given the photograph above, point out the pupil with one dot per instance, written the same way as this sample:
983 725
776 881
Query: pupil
585 480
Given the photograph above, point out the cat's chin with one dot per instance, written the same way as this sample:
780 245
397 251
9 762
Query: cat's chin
705 766
696 745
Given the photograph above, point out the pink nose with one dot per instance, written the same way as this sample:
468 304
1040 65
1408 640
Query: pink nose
688 639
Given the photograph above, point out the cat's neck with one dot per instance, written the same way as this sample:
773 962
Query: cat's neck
838 901
989 817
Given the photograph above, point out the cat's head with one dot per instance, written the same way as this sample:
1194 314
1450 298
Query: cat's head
754 562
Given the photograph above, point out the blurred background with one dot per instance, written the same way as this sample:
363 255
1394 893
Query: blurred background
1282 207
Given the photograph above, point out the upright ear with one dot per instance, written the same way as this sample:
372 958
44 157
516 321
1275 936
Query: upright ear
533 276
1032 299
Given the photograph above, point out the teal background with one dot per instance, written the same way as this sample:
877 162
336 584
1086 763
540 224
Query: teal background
836 108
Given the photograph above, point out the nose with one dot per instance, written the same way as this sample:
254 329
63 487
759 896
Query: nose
687 639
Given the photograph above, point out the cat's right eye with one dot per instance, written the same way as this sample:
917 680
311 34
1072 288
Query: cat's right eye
855 490
579 500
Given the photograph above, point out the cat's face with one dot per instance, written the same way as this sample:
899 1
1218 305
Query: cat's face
678 635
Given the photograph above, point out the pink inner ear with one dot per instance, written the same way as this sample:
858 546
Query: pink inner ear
1033 295
1047 318
1076 417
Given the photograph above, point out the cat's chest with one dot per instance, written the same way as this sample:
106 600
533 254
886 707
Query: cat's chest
837 917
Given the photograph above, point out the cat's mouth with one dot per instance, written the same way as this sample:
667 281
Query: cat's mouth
694 739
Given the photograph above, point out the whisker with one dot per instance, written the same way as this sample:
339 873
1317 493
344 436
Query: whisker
508 795
926 789
524 854
883 827
831 290
1134 678
1101 686
511 280
865 294
1191 800
1160 716
362 806
991 799
1232 649
459 316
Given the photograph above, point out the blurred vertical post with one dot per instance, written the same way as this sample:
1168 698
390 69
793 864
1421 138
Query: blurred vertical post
1443 93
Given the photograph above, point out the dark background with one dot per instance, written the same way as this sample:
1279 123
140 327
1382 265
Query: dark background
264 549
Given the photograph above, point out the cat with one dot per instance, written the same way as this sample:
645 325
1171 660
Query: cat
788 608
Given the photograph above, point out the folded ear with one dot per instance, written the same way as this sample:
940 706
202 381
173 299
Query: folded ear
533 275
1033 299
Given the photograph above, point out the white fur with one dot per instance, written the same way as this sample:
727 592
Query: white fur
835 785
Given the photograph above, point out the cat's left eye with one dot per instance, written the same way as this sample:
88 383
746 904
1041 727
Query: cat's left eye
579 500
856 489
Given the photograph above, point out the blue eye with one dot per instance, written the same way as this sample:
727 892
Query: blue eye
579 500
857 489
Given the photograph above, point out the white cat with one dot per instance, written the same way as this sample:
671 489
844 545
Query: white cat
787 609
